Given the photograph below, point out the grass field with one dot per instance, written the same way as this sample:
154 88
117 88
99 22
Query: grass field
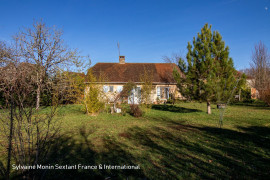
168 142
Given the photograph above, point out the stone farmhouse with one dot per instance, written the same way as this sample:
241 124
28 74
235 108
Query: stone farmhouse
118 74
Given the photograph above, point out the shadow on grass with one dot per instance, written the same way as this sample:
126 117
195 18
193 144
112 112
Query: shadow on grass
256 104
175 151
204 152
67 150
255 107
173 108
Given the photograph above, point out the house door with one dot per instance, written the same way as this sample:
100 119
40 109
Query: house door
135 96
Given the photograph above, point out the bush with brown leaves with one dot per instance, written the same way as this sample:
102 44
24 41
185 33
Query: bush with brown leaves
135 110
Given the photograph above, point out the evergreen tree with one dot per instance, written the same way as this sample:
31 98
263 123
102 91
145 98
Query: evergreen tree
210 74
93 94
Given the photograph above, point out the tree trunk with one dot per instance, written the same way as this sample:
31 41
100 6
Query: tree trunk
38 97
85 99
208 108
10 140
239 95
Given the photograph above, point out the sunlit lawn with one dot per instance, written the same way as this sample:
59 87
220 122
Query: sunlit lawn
167 142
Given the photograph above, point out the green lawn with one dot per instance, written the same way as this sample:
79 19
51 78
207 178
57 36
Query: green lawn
168 143
179 142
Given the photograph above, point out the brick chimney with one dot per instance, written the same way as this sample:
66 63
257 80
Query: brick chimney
121 59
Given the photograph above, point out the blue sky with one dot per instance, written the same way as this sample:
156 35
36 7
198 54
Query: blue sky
146 29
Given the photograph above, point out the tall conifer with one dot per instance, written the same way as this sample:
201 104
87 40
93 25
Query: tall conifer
210 74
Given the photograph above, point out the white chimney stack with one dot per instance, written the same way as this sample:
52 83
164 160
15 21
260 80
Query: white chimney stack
121 59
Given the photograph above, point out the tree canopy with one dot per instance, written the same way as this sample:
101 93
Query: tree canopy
210 74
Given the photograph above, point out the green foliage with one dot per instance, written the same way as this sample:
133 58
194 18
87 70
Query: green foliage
210 74
2 99
147 86
245 94
170 101
75 85
182 65
92 101
125 108
46 97
68 85
127 88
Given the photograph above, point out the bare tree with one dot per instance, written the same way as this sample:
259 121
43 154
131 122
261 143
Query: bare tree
28 132
260 70
43 46
176 58
6 56
26 70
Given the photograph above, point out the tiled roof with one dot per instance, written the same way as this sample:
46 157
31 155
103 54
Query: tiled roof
121 73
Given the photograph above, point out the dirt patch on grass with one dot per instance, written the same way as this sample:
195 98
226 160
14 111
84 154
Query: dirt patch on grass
124 135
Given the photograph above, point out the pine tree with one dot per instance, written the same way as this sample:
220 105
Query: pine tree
210 74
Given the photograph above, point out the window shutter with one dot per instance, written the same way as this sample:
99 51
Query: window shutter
168 93
111 88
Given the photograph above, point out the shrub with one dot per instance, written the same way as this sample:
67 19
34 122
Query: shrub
92 103
135 110
92 97
171 101
124 109
246 94
249 101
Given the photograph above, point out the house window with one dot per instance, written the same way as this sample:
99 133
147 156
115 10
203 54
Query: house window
119 89
163 92
111 88
105 89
